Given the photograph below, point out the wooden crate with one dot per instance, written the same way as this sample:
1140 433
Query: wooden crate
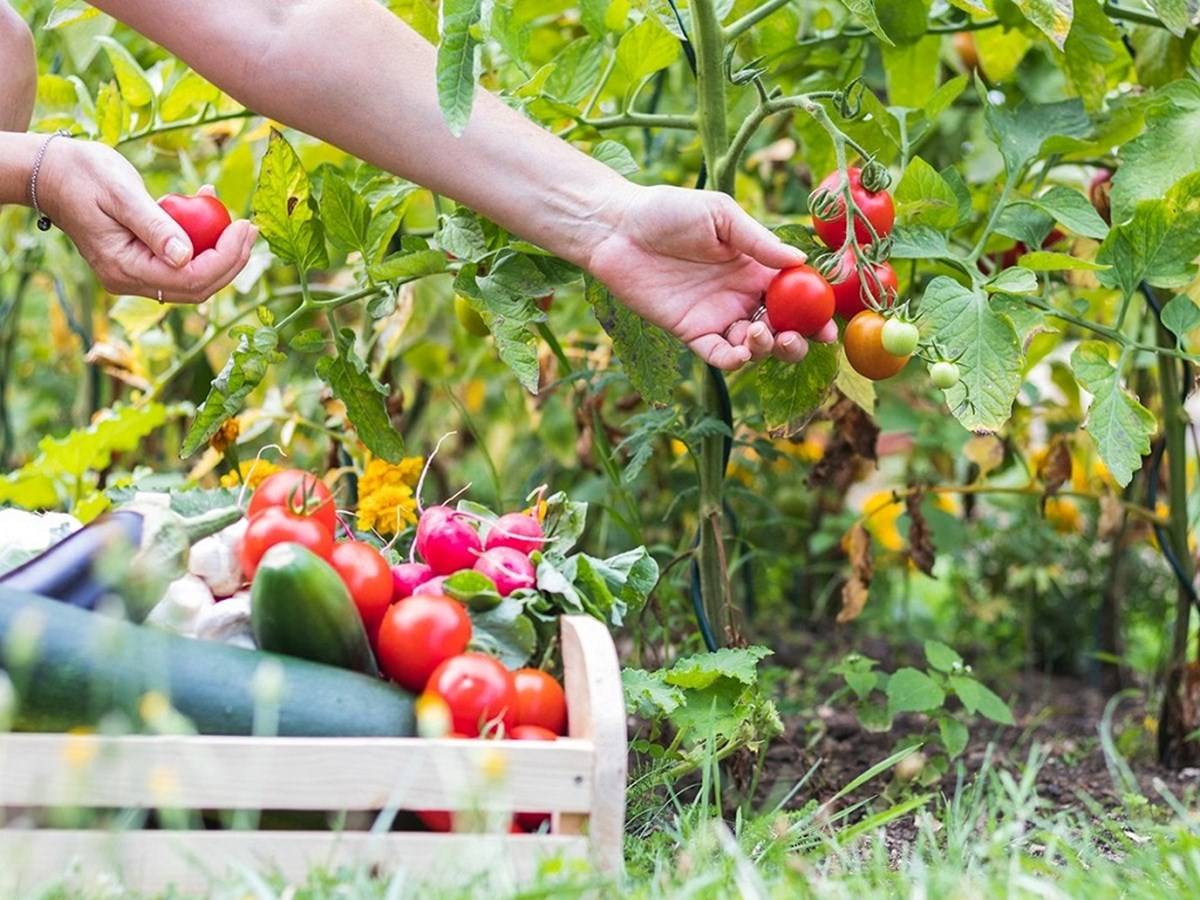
580 780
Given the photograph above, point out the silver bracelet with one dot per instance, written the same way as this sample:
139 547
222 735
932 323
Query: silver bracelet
43 220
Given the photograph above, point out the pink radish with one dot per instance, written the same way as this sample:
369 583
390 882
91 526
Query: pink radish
509 569
431 588
446 541
407 577
516 530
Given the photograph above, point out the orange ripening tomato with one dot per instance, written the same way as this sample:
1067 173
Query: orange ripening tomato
863 343
540 700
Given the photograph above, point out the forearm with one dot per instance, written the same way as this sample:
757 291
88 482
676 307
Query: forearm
351 73
17 154
18 63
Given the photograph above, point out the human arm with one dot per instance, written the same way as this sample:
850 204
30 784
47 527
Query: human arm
18 62
353 74
94 195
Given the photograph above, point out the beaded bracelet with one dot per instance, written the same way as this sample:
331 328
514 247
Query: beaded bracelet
43 220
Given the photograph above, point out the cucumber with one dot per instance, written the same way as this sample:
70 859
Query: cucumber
300 606
72 668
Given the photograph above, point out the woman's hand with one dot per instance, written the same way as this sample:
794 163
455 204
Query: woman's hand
695 264
94 195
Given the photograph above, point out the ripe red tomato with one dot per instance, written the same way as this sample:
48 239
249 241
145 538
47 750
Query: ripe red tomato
532 821
367 576
274 525
863 342
418 635
799 299
540 701
478 690
202 218
299 493
877 208
849 290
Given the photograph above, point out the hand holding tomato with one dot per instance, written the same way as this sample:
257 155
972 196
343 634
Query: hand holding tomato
203 218
98 199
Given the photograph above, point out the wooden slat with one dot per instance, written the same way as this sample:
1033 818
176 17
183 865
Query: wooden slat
295 773
192 860
596 709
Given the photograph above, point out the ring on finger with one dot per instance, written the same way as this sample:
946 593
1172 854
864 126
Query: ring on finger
759 314
160 297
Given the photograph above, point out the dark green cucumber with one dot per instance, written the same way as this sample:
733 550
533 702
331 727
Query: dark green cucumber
71 668
300 606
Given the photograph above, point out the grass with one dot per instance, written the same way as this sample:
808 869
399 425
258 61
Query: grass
992 836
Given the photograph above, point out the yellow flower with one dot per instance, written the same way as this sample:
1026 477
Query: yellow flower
1063 514
250 472
882 511
385 495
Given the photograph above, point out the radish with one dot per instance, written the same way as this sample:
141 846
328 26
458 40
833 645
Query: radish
407 577
509 569
516 530
446 541
431 588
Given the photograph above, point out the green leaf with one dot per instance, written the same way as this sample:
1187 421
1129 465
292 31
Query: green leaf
458 62
563 523
243 372
987 348
864 11
135 87
954 735
310 340
791 392
924 198
1073 211
1181 316
873 715
649 356
1015 280
616 156
83 450
283 208
615 586
576 71
941 657
1159 244
647 694
112 114
504 632
1051 261
473 589
644 49
408 266
912 72
517 348
422 15
1175 14
978 698
461 233
904 21
1117 422
187 96
1095 58
920 242
1166 151
862 683
703 669
364 398
345 214
911 690
1020 131
1052 17
1001 51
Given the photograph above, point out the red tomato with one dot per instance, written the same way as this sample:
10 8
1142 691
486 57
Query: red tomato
478 690
540 701
417 636
877 208
202 218
300 493
799 299
532 821
275 525
863 343
368 578
848 291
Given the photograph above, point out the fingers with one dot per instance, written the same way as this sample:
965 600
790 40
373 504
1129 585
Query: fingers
138 212
716 351
146 274
828 334
790 347
749 236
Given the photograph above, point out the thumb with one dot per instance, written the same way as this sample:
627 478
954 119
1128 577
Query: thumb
747 235
154 228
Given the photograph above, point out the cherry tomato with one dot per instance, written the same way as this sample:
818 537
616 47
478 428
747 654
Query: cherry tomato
900 338
849 287
540 700
478 690
274 525
968 53
202 218
367 576
298 492
532 821
944 375
799 299
863 343
418 635
877 208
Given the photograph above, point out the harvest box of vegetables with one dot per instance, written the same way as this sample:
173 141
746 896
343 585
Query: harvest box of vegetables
224 675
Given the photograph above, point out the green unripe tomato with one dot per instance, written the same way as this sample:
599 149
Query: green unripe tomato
900 338
468 318
943 375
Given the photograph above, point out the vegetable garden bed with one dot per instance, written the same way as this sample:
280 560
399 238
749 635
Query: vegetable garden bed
580 780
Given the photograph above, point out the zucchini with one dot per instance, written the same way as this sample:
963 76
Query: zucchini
72 668
300 606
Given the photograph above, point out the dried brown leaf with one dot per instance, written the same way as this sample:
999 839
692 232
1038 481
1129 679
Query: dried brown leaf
986 451
1054 470
857 544
853 441
920 539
